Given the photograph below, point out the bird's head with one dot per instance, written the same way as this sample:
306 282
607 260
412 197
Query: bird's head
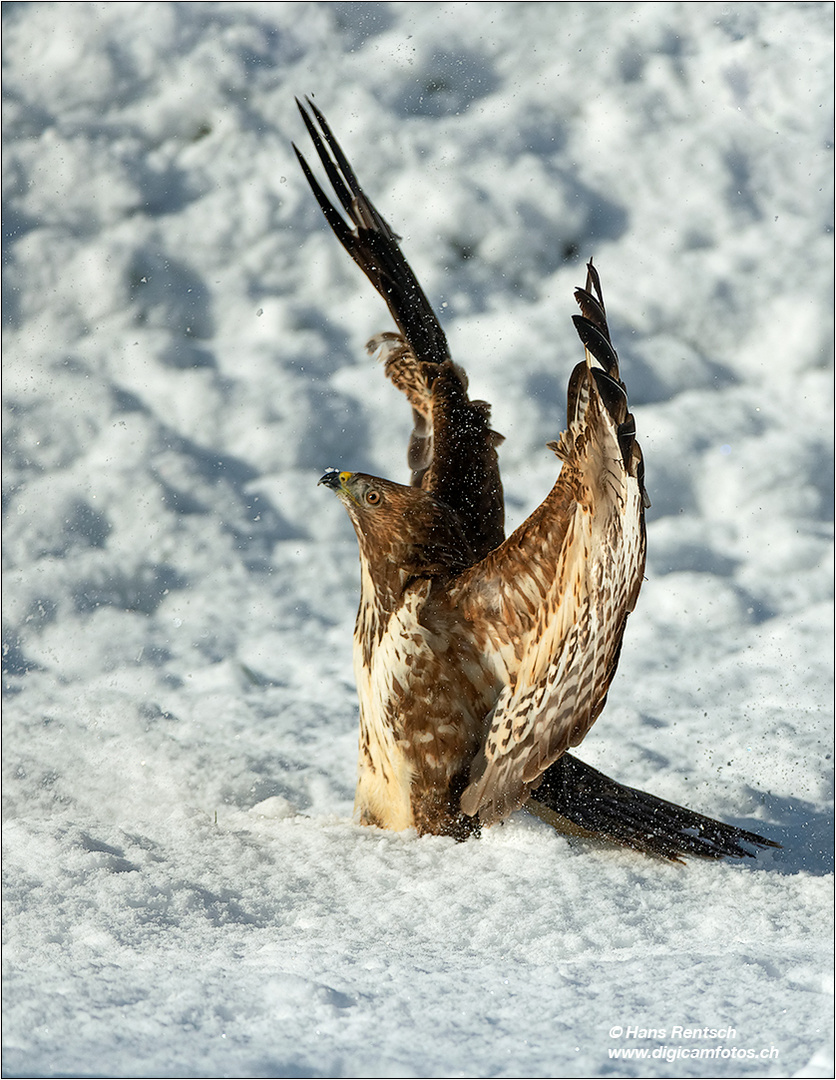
359 493
400 528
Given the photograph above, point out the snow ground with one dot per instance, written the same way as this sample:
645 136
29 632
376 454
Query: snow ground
185 893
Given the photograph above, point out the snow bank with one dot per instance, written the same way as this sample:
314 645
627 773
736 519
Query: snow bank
183 355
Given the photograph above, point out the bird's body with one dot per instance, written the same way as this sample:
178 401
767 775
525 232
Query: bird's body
423 685
421 722
480 660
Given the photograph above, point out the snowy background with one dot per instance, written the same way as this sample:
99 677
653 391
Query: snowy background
183 356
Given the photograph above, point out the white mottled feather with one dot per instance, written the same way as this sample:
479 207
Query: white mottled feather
384 771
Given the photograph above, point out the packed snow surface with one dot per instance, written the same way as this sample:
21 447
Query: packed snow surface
186 893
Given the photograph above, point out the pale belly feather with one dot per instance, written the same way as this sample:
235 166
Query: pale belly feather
424 696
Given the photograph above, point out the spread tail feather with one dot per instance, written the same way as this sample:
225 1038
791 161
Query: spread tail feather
596 806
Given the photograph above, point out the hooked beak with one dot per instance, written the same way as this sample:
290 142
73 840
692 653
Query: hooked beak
334 479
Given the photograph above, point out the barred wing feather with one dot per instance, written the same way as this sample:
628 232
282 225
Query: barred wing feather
551 603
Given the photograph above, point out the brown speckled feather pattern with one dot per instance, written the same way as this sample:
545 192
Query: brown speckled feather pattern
479 673
479 660
550 606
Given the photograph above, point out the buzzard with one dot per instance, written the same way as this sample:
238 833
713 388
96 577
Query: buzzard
481 660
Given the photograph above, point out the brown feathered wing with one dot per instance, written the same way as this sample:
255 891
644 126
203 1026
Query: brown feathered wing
550 604
537 619
452 451
547 607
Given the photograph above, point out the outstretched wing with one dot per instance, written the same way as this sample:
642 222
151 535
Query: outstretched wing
452 452
549 606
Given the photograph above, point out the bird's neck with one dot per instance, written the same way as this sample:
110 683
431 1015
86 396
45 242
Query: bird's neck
383 577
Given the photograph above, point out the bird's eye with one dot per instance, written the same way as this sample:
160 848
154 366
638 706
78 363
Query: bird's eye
373 497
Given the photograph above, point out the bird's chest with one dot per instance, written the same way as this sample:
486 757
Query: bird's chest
424 695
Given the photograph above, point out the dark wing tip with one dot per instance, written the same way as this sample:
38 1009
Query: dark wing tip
593 283
370 241
597 343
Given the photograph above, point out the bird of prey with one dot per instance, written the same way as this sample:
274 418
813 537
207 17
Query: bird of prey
481 660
